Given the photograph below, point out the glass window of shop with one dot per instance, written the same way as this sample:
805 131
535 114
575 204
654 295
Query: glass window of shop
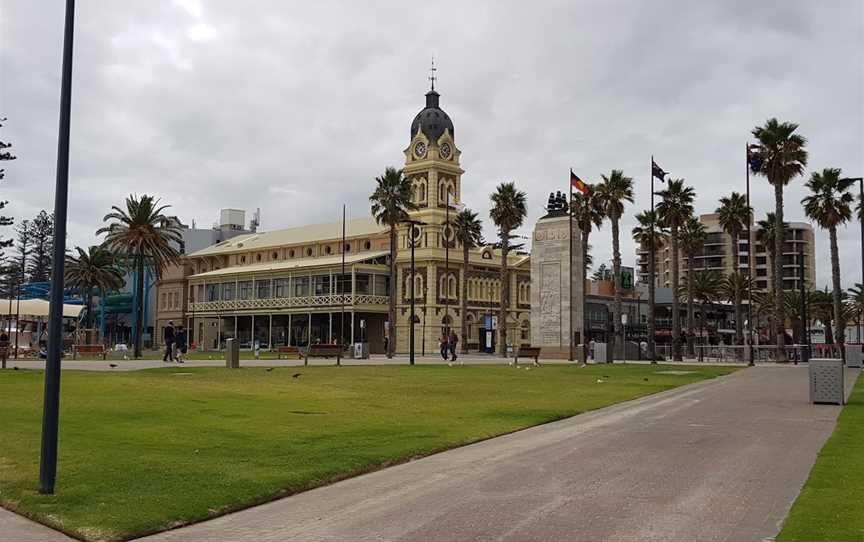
363 284
280 288
262 289
245 288
213 292
301 286
322 284
228 291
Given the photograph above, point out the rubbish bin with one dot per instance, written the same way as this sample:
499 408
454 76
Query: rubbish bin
826 381
854 356
602 353
232 354
361 351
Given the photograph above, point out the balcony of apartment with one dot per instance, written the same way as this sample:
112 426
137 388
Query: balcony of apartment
365 301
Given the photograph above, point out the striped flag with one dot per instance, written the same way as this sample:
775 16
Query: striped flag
451 202
578 183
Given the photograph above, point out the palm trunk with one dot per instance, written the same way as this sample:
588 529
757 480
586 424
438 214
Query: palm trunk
616 276
463 307
739 329
676 318
505 291
139 294
779 238
583 274
391 310
691 342
835 283
89 308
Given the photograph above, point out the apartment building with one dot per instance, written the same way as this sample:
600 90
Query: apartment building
718 254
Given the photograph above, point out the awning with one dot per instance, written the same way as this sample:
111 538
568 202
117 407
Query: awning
36 307
299 263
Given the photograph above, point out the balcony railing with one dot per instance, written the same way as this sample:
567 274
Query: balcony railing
332 300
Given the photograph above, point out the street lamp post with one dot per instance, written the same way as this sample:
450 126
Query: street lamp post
423 335
861 222
413 242
51 409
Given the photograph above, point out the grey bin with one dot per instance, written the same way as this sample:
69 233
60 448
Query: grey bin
826 381
360 351
602 353
232 354
854 357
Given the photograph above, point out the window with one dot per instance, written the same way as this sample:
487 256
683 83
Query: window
347 247
262 289
367 245
342 283
212 292
291 253
228 291
382 285
309 251
301 286
327 249
200 295
245 289
257 257
275 255
322 284
280 288
163 300
363 284
176 303
242 259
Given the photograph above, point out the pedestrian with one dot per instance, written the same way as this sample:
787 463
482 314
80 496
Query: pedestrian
444 345
591 349
451 343
169 336
180 344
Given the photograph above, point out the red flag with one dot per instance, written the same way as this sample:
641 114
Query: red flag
577 183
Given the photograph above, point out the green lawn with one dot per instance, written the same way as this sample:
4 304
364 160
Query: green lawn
829 507
147 450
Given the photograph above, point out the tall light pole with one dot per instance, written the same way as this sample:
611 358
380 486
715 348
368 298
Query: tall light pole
413 242
51 409
861 222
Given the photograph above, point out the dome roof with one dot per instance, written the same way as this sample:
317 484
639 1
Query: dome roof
432 120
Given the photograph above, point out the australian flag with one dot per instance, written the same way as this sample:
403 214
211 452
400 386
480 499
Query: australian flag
658 172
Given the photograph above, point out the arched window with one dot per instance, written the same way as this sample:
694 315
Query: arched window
451 287
418 286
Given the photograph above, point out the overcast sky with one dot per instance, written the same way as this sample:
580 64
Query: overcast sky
295 107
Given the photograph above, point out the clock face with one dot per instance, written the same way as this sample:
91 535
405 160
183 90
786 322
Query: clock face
445 151
420 150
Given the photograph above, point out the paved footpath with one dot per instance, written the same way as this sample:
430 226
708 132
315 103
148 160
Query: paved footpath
716 461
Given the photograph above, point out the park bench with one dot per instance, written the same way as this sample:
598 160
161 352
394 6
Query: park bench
323 351
93 349
527 351
290 352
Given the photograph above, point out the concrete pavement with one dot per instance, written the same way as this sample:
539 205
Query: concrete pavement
715 461
15 528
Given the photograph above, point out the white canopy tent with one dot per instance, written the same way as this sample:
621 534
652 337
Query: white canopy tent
36 307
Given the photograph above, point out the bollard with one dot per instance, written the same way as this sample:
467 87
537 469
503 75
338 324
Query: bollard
232 354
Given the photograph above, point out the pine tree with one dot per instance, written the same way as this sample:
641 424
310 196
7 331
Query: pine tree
4 155
42 239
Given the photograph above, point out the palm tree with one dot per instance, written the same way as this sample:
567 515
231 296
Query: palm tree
856 300
650 236
143 232
612 193
768 233
734 216
735 287
391 201
587 214
782 157
707 289
820 305
508 213
692 236
469 232
95 268
829 205
674 209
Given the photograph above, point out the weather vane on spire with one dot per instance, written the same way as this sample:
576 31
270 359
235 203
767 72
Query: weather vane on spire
432 71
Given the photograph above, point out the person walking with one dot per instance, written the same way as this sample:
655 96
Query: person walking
180 344
4 348
444 345
451 343
169 336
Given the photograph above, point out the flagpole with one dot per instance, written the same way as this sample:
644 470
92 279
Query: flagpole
570 237
652 311
342 291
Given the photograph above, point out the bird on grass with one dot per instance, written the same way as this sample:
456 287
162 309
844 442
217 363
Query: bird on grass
14 368
296 375
112 365
268 370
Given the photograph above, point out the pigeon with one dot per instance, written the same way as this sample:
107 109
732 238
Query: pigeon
645 379
268 370
112 365
296 375
14 368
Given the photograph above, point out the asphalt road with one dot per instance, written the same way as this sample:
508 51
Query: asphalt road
716 461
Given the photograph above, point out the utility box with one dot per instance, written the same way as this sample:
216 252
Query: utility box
232 354
826 381
360 351
854 356
602 353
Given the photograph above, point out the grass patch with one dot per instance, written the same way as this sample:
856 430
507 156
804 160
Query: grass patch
829 506
147 450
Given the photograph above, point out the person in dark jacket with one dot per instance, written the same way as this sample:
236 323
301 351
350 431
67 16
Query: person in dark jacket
452 342
169 336
180 344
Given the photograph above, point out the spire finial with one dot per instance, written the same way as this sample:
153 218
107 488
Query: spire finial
432 71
